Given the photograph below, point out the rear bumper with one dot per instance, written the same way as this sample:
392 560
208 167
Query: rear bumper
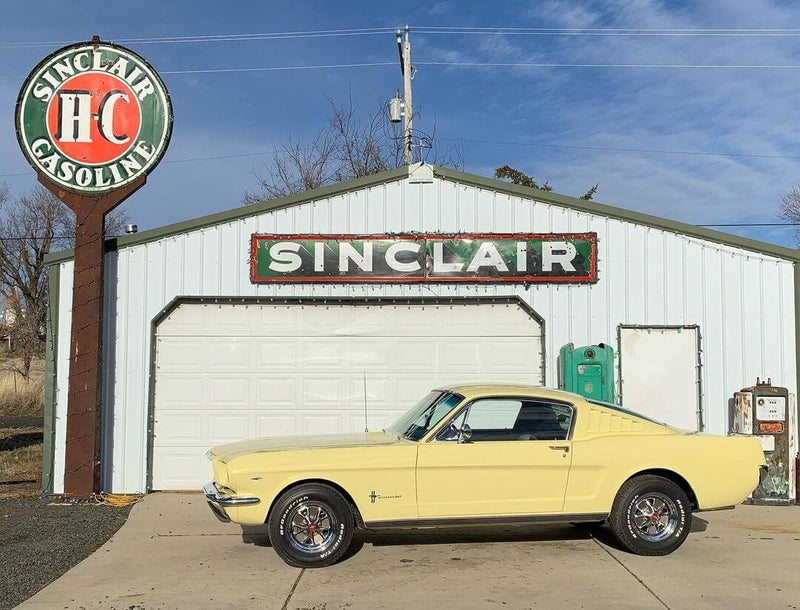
217 501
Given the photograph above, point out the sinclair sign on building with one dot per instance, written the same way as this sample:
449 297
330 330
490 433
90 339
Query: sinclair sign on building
93 117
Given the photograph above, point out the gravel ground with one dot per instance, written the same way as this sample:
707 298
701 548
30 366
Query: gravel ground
40 542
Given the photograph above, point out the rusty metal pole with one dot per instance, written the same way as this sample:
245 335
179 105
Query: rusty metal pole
84 401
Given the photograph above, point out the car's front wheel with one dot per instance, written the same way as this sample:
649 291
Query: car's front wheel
311 526
651 515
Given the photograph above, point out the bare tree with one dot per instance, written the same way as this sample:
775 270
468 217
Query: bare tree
517 177
347 146
789 210
31 226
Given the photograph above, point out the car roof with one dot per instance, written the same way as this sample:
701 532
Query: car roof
476 390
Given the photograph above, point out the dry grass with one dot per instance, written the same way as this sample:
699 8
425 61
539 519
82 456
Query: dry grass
20 462
21 397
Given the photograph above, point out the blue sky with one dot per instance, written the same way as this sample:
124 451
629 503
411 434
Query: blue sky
544 111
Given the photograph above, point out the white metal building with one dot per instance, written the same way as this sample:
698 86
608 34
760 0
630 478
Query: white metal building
197 354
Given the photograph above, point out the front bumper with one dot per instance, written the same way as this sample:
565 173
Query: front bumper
217 502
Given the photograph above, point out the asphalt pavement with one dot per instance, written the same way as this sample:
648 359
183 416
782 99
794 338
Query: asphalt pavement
172 553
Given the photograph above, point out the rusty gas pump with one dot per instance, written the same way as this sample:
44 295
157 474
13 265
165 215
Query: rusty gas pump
768 412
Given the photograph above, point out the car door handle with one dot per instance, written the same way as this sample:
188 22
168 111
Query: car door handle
563 448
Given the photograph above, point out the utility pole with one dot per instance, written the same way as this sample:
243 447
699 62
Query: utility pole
404 46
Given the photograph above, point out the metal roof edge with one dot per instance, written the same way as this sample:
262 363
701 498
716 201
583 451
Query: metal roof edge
602 209
240 212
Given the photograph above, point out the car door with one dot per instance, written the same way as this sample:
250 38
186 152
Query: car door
516 461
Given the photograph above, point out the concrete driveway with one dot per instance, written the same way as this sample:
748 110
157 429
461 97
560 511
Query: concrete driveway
172 553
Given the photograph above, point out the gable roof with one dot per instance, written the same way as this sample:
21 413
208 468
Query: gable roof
524 192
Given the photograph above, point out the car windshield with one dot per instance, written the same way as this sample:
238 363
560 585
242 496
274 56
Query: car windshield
611 405
425 415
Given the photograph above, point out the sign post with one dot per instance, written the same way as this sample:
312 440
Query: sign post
93 119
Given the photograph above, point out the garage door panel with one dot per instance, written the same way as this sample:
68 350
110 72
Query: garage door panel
174 391
226 372
415 354
277 355
274 425
179 468
180 353
378 389
321 423
321 391
325 354
180 428
371 354
229 390
512 355
276 391
459 355
232 354
227 428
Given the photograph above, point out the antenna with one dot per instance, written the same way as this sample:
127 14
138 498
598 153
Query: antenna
366 425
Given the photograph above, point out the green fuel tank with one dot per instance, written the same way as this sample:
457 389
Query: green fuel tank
587 370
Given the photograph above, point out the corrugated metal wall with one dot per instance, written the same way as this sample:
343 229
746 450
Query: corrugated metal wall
742 301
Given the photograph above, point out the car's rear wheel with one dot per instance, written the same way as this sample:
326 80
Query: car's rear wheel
311 526
651 515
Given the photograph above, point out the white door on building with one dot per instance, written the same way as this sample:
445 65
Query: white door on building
225 372
660 373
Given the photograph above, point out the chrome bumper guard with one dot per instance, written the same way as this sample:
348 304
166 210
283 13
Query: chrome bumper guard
217 502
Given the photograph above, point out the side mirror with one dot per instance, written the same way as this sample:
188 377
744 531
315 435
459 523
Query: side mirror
466 434
450 434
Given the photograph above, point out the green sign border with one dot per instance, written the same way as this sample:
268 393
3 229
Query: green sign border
161 142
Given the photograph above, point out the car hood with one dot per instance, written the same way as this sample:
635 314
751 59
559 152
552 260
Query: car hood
300 443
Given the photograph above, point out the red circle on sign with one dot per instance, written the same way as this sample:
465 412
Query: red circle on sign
94 118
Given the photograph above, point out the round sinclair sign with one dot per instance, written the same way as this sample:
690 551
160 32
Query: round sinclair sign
93 117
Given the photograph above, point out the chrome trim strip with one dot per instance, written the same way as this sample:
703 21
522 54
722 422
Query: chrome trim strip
504 520
709 510
212 495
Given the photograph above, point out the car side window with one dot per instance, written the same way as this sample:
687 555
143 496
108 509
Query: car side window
543 421
517 420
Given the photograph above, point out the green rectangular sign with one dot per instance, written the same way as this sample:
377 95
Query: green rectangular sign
420 257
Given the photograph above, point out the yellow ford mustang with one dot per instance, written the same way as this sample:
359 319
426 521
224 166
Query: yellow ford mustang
483 454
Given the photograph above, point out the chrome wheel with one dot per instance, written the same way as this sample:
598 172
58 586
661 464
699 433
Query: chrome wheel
311 527
655 517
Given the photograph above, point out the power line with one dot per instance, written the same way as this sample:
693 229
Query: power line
216 37
443 30
476 64
505 143
277 68
754 224
624 150
522 31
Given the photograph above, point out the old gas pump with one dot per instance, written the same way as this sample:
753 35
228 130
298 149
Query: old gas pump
588 371
768 412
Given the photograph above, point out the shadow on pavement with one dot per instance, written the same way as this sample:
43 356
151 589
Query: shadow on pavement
258 536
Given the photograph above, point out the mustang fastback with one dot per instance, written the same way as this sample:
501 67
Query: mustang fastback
483 454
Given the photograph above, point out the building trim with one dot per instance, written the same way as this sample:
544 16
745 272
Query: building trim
50 381
354 301
797 337
581 205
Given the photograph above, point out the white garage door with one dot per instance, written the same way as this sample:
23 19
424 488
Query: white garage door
660 373
225 372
